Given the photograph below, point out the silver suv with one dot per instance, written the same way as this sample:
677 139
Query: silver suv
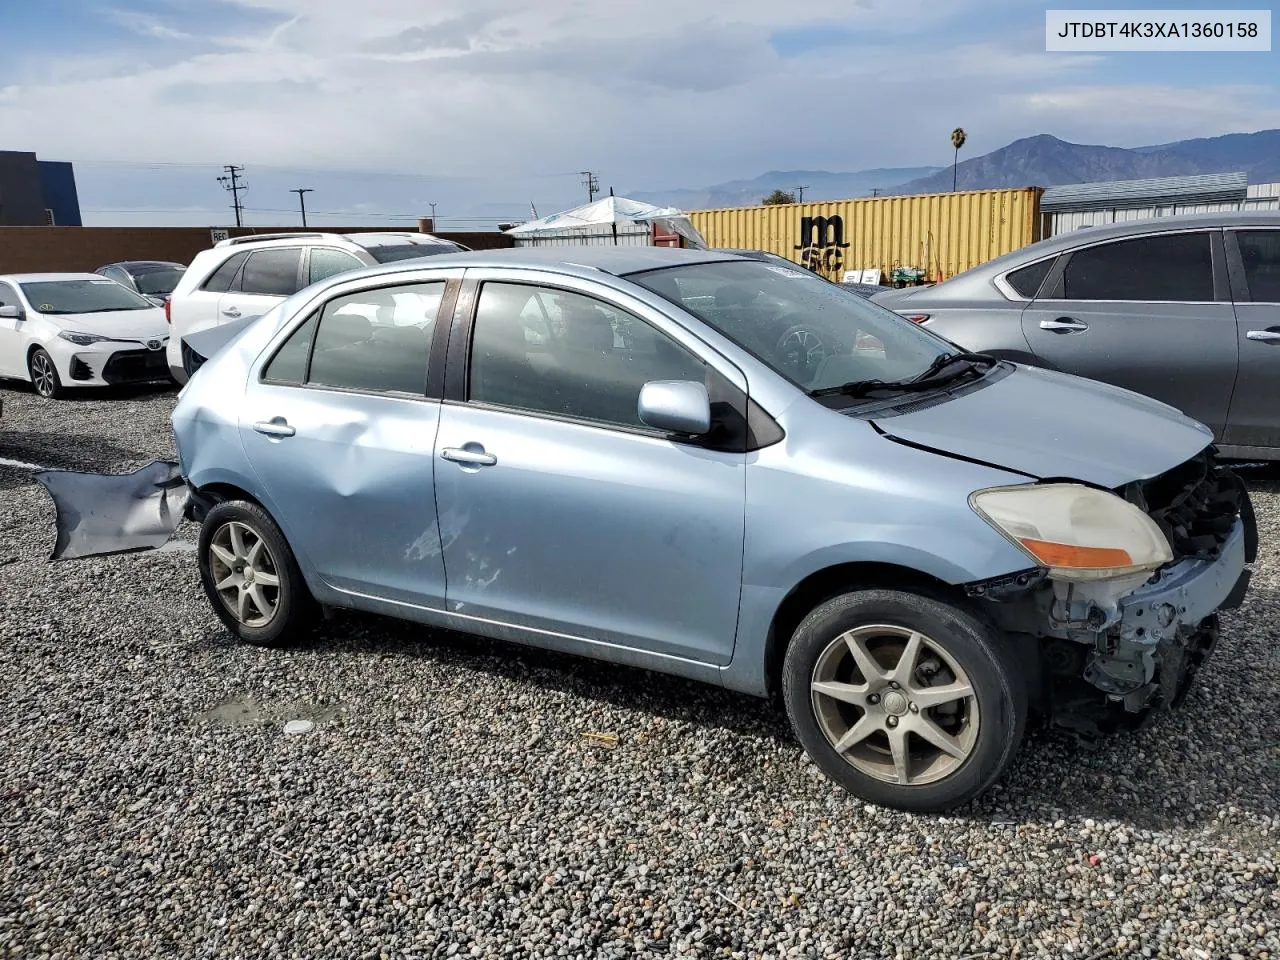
246 276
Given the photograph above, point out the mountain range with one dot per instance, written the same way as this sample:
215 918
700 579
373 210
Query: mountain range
1042 161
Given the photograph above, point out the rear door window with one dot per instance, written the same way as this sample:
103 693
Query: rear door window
271 273
375 341
1172 267
1260 251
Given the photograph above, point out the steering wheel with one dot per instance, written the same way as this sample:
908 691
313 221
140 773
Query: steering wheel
801 347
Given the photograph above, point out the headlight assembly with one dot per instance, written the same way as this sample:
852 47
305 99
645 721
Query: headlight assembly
1077 532
81 339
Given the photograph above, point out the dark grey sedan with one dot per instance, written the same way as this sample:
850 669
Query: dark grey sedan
1184 309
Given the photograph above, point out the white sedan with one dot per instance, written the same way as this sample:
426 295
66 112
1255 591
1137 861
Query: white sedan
61 330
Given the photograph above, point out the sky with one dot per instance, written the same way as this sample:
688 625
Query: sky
485 107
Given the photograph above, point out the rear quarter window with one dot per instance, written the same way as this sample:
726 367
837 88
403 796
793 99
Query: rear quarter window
220 280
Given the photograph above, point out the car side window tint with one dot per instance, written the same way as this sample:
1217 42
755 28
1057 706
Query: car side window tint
1168 267
220 281
1260 251
271 273
1026 281
377 340
289 365
552 351
327 262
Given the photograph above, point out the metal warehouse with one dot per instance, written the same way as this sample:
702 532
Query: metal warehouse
1072 206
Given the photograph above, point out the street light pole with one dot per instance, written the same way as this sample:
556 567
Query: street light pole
302 201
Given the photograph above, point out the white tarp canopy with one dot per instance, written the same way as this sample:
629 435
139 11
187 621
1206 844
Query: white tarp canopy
612 211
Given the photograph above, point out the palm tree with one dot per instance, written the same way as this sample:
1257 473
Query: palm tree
957 141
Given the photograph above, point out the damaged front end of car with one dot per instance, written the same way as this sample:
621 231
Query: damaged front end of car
1118 641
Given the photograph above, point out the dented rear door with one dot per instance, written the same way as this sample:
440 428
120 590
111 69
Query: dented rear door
339 429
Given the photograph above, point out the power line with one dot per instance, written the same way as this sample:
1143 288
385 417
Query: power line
230 182
591 182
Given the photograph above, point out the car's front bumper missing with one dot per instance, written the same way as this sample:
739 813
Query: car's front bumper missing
1167 628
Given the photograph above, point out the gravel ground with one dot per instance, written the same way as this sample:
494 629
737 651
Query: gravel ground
448 803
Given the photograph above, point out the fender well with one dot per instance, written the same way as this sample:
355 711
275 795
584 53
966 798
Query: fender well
824 584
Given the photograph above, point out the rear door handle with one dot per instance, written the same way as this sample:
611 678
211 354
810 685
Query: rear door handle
471 458
231 312
278 427
1064 325
1264 335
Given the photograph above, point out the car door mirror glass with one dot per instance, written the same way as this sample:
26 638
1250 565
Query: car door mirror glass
11 313
675 406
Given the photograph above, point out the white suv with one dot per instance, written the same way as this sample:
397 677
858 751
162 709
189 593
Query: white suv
247 276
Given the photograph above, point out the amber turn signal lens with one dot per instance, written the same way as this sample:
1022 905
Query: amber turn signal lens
1065 555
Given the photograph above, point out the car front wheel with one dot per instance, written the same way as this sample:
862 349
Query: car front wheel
251 577
44 375
902 699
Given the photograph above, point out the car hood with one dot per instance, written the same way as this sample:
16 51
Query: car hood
126 324
1051 425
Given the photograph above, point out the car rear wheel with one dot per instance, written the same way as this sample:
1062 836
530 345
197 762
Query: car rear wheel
902 699
251 576
44 375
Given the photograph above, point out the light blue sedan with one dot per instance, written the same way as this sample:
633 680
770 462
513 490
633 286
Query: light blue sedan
727 470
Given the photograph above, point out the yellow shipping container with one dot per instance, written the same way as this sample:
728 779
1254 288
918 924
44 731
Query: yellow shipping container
940 233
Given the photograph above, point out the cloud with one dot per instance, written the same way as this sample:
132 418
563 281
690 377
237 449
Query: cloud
146 25
649 93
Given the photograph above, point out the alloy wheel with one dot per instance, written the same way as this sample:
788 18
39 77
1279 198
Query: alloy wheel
43 376
245 574
895 704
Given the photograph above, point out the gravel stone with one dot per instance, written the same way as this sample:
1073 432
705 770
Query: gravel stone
448 804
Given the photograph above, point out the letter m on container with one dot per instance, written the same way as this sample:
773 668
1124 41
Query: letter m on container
821 232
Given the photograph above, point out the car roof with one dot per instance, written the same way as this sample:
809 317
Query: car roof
369 238
127 264
1130 228
48 277
580 261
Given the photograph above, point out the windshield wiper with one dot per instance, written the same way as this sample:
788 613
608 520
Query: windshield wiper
944 369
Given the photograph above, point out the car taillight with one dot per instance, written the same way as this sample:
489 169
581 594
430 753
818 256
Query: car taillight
916 317
168 304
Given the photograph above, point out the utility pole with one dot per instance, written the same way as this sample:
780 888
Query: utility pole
800 193
592 183
232 182
875 191
302 201
433 215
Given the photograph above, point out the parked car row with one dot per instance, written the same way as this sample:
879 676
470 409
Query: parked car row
124 323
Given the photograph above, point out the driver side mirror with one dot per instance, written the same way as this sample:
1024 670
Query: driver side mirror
12 313
675 406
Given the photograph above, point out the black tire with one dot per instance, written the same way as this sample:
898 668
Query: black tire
295 609
975 646
44 375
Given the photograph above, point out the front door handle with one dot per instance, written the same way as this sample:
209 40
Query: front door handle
1064 325
471 458
231 312
277 427
1264 335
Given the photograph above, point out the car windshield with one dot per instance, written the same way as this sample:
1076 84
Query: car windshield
410 251
157 281
82 296
820 337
